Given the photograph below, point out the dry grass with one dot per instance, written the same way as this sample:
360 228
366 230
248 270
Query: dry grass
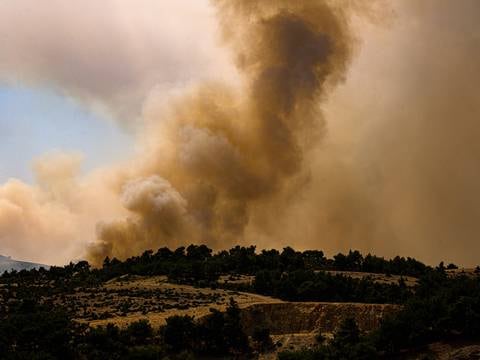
410 281
130 298
463 271
236 279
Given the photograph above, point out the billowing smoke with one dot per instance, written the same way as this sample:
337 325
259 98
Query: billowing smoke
107 54
329 131
219 154
421 149
43 222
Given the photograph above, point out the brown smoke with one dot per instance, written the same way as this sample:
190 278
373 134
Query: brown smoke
398 171
424 161
310 146
219 154
36 220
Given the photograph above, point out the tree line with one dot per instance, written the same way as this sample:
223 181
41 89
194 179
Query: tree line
37 332
439 307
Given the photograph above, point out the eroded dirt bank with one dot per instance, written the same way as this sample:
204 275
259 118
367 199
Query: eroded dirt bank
295 317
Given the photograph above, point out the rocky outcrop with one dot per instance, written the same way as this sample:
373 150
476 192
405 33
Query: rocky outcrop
305 317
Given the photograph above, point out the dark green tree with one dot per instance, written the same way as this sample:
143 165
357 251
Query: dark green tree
179 333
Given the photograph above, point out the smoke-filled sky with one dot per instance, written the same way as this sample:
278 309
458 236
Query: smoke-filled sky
127 125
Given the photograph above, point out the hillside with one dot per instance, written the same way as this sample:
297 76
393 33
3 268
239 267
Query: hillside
242 303
9 264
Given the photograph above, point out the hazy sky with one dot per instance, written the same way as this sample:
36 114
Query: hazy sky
121 118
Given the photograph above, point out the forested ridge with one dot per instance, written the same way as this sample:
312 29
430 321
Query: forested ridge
437 307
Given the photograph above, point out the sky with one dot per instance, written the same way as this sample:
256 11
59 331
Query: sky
335 125
35 121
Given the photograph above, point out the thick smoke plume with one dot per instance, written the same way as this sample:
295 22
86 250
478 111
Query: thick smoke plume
328 132
35 221
218 155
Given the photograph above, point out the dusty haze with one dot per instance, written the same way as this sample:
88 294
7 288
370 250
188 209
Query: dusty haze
314 124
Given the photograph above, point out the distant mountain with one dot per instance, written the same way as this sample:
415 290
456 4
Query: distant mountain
8 264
